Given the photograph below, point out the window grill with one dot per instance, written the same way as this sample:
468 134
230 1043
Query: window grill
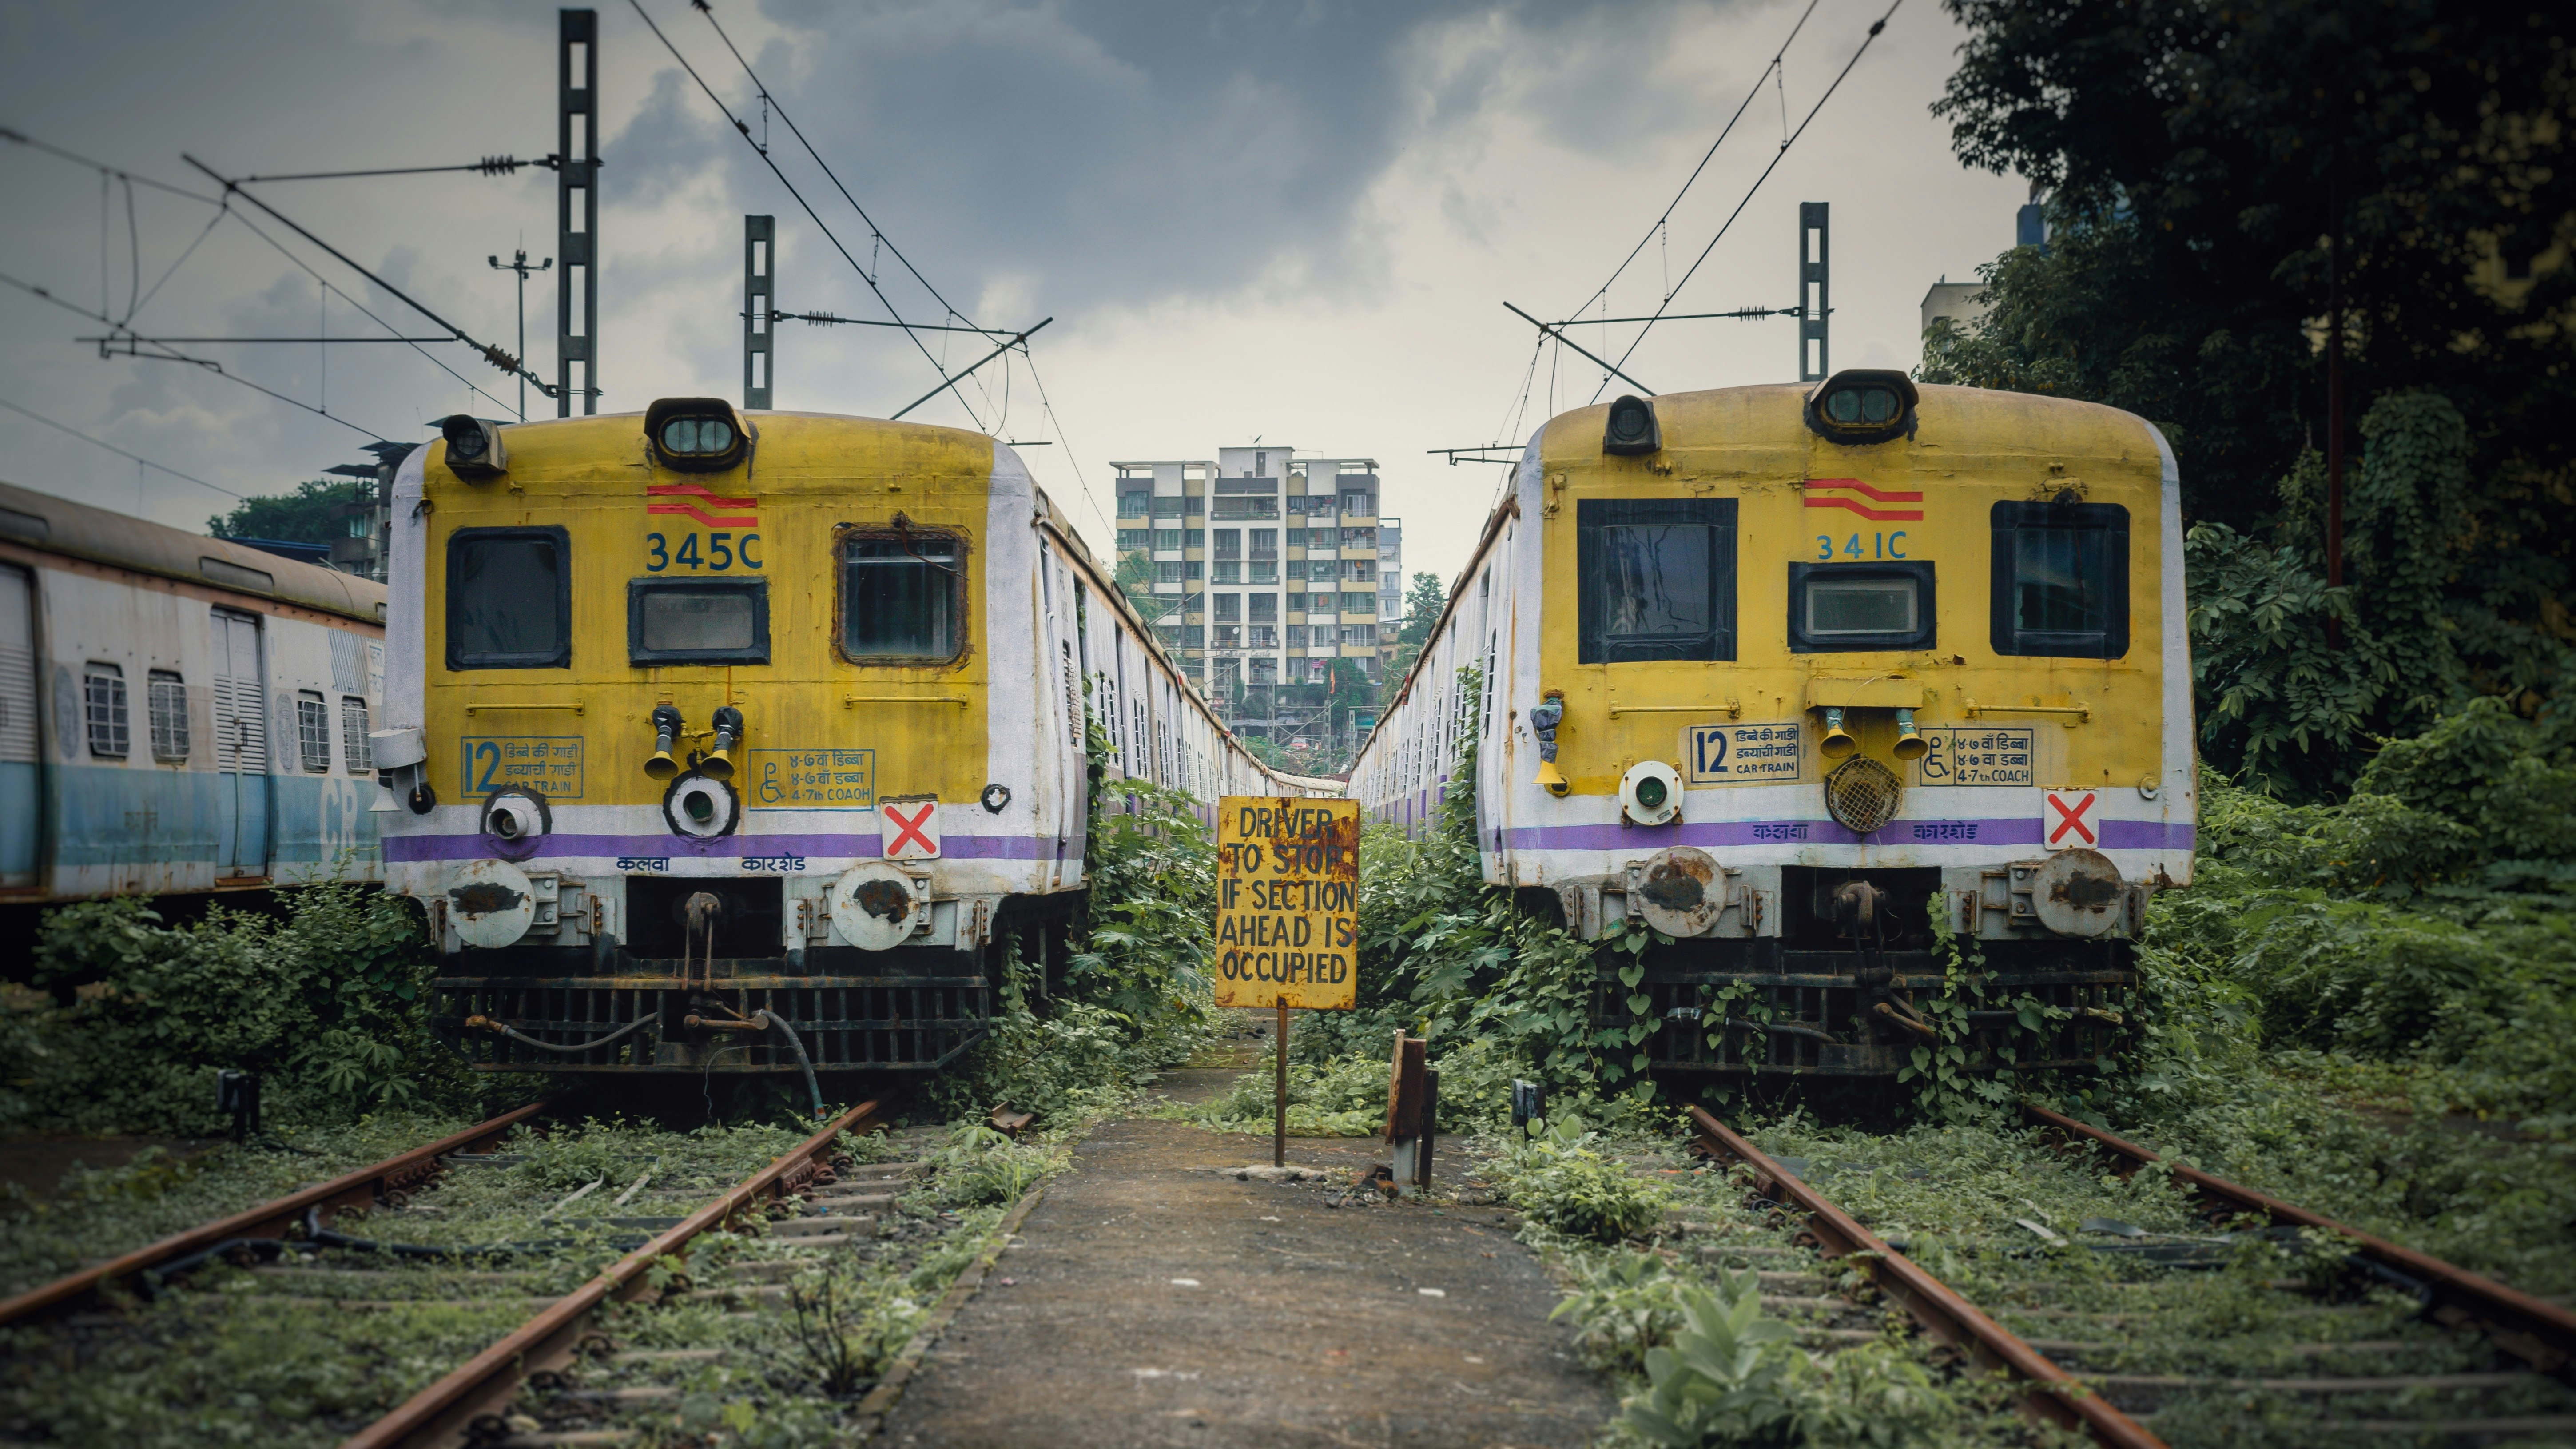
353 736
168 703
104 695
313 731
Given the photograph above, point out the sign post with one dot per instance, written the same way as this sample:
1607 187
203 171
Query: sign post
1287 916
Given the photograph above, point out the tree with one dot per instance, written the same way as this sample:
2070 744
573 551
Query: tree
2201 159
1136 581
1422 605
310 514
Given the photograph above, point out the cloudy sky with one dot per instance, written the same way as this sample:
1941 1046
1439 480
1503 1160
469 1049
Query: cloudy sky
1296 220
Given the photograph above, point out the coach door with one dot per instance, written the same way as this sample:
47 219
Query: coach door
21 793
241 748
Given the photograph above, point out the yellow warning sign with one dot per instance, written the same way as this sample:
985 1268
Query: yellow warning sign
1287 902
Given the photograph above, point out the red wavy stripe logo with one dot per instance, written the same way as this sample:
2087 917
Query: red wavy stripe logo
748 520
1857 486
1881 515
696 490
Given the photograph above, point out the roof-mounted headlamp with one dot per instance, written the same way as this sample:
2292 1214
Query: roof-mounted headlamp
1866 405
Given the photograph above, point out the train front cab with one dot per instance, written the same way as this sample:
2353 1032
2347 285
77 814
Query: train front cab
1816 685
655 711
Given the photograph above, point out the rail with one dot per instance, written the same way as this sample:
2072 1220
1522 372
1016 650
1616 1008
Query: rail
2539 1332
852 701
1734 708
519 706
2055 1395
270 1219
438 1414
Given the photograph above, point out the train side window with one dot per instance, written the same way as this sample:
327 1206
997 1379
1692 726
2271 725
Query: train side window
313 730
2061 579
168 703
103 694
903 596
509 598
697 621
1845 608
354 750
1656 578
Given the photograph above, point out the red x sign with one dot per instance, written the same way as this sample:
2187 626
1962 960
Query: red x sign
910 830
2069 820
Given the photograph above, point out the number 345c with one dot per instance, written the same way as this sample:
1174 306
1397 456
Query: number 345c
718 553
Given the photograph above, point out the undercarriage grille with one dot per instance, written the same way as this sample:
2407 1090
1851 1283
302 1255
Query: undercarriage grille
881 1023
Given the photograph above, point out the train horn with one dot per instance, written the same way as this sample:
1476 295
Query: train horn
667 725
1837 741
718 765
1550 778
1910 744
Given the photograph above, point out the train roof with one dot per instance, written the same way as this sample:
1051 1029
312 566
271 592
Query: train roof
76 530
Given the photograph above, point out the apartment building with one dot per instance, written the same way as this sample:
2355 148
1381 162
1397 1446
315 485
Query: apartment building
1263 567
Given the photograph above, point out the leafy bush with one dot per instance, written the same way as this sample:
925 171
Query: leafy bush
1725 1379
1135 995
1555 1178
983 1168
132 1018
1341 1097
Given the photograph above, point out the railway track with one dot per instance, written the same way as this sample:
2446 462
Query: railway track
2287 1327
458 1295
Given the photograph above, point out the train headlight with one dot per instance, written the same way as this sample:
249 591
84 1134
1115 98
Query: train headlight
513 819
1631 428
1650 793
1865 405
474 447
696 434
701 808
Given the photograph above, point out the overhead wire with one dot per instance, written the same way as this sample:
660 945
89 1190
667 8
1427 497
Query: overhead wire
949 384
878 241
1876 28
1707 156
135 341
223 209
515 366
111 447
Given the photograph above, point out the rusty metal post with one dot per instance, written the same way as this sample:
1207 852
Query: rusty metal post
1279 1095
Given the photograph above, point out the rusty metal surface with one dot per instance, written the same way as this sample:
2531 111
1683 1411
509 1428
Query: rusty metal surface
2540 1332
2054 1395
438 1415
270 1219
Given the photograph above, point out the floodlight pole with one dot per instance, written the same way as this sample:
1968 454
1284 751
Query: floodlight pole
519 264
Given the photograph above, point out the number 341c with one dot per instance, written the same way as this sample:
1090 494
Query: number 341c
1879 545
717 555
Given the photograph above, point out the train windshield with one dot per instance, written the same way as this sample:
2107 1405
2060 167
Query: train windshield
899 597
1657 578
509 599
2061 579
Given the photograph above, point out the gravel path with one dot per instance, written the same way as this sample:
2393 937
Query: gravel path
1153 1301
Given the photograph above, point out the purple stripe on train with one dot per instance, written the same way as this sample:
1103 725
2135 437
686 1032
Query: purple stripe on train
410 848
2018 831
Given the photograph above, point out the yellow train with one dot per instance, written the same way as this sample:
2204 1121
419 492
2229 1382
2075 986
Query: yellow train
741 742
1793 676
